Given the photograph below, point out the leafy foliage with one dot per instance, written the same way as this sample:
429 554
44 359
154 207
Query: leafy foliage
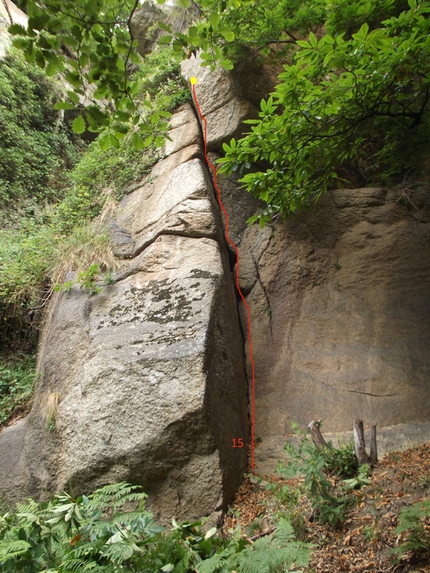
269 554
35 146
351 106
317 468
101 533
99 53
411 521
114 167
39 242
26 254
16 384
348 110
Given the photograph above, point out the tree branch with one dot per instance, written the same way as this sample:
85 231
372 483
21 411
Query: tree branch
292 41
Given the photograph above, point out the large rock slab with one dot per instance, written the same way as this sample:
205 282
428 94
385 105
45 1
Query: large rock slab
340 311
145 381
221 102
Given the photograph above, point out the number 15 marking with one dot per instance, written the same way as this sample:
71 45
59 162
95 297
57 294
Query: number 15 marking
237 443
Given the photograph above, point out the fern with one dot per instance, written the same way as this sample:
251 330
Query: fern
271 554
12 549
93 534
114 496
411 520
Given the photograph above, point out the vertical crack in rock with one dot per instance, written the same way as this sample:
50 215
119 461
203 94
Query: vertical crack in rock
149 373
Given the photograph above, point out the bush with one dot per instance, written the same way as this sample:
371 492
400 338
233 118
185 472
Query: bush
100 533
35 147
26 255
317 468
16 385
114 167
350 109
31 249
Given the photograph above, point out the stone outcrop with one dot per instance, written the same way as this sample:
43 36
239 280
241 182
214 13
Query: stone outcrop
339 296
142 25
341 315
221 101
144 382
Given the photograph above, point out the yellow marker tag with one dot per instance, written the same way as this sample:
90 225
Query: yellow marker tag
193 80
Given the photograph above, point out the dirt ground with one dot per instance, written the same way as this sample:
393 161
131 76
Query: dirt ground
361 543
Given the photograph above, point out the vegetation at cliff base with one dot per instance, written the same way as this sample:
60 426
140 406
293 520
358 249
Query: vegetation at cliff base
100 533
275 525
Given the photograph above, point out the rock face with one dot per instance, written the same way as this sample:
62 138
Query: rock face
145 381
147 377
339 296
341 315
9 14
144 18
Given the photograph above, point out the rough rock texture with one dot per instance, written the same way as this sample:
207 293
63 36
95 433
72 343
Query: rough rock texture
143 19
221 101
341 315
9 14
339 296
149 374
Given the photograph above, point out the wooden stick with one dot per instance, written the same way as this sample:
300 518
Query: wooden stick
317 438
373 449
359 444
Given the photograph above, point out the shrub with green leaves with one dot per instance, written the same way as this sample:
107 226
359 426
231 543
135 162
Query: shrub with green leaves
101 533
35 145
316 468
34 250
114 166
350 109
412 521
26 257
16 384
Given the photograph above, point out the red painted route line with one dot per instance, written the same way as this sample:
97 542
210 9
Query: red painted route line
236 250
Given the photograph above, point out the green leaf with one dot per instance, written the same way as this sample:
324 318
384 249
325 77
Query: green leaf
73 96
227 34
78 124
51 69
312 40
214 20
137 141
164 40
64 105
74 79
226 64
17 29
361 35
114 141
104 141
210 533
